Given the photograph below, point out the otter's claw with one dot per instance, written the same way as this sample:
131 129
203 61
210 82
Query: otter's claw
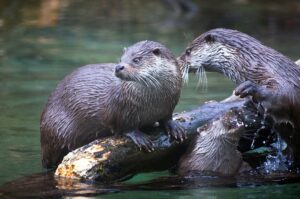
141 140
175 131
248 88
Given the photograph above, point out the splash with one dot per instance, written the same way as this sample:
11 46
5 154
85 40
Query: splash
278 162
256 134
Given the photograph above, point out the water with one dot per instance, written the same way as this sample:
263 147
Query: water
284 191
41 41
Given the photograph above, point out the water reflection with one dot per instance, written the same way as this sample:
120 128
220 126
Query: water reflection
46 186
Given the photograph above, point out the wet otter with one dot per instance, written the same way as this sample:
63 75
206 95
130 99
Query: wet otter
268 77
214 150
97 100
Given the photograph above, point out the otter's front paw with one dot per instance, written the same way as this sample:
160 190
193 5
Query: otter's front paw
141 140
175 130
248 88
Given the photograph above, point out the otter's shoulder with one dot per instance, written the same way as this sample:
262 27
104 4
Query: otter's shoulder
84 80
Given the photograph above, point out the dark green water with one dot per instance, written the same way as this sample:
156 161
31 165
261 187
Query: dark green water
42 41
274 192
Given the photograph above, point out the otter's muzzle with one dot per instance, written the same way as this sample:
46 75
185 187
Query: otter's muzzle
119 68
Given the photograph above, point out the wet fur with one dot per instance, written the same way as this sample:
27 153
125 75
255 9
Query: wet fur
242 58
92 102
215 148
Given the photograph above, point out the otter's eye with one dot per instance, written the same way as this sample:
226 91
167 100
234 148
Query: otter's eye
137 60
188 51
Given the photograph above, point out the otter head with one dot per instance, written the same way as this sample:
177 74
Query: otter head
148 63
229 128
213 52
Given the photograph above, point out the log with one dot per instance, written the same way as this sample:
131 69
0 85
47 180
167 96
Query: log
117 158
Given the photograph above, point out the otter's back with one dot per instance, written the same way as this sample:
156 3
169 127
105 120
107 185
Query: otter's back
69 118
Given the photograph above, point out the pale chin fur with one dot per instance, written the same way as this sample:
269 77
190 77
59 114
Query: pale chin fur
151 76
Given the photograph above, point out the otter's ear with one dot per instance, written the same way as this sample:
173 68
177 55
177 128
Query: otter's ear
156 51
210 38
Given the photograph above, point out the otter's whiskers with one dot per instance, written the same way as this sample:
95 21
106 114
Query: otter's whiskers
185 73
202 78
149 80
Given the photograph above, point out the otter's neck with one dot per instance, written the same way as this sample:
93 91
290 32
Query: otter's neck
143 92
233 69
260 64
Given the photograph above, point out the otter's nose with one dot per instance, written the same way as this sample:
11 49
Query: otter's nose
119 68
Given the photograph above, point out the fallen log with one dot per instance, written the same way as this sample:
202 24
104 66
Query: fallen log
118 158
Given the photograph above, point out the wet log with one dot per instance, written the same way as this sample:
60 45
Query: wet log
117 158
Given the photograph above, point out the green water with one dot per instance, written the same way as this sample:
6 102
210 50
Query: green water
284 191
41 42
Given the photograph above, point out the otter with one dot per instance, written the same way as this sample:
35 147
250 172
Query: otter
270 79
100 100
214 150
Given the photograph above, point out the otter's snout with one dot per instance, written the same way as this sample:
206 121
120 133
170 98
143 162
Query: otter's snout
121 71
119 68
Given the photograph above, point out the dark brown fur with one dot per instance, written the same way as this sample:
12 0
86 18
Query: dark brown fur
92 102
272 79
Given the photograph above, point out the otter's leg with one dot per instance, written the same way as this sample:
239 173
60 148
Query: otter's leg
174 129
141 140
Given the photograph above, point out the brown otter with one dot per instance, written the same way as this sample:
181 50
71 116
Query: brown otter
97 100
215 148
270 78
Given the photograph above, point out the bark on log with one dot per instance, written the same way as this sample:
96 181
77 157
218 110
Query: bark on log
117 158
